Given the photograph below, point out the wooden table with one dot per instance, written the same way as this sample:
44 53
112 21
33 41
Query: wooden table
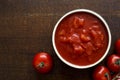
26 28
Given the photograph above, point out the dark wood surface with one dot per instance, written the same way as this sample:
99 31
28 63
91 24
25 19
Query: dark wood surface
26 28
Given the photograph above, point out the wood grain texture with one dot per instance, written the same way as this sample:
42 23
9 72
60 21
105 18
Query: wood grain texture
26 28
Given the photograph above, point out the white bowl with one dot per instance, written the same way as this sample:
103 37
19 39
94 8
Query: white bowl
109 38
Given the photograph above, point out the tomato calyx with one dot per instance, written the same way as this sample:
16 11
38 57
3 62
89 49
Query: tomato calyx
41 65
117 62
116 77
107 76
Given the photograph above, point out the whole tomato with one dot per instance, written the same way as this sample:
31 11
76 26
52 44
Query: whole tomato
113 63
117 46
42 62
101 73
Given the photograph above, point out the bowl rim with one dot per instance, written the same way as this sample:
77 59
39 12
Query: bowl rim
108 32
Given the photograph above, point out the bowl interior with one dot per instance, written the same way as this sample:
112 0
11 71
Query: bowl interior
107 29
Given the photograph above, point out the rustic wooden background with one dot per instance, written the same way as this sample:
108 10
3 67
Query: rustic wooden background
26 28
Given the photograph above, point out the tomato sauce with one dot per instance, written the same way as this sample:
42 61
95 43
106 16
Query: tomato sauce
81 38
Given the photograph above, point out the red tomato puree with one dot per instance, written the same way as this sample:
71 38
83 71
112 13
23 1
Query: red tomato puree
81 38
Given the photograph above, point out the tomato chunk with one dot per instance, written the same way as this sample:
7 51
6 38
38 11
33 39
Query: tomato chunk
62 32
63 39
74 38
78 22
89 48
85 38
78 49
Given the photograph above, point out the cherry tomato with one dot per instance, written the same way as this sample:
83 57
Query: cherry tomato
117 46
42 62
113 63
101 73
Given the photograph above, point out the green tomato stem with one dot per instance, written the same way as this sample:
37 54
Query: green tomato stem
117 62
116 77
107 76
41 65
